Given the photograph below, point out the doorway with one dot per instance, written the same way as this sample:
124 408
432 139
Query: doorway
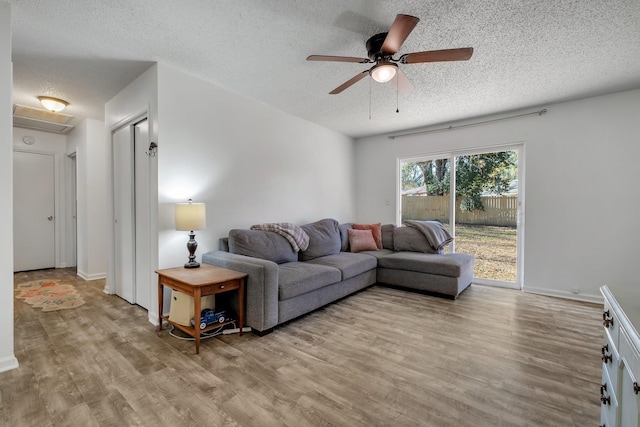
478 197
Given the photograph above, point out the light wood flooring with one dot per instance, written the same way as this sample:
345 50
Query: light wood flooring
382 357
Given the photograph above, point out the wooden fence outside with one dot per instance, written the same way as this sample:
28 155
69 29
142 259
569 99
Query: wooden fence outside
498 210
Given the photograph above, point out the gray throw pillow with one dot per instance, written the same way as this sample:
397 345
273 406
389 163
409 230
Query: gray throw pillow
324 239
344 236
261 244
387 236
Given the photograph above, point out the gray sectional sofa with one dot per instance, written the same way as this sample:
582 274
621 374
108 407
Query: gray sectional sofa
283 283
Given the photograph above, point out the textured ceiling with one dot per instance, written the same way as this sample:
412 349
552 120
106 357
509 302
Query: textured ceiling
526 54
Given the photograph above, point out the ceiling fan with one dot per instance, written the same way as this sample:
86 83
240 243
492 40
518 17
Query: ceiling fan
382 47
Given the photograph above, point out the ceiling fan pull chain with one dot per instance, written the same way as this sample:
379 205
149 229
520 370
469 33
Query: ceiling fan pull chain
397 96
369 99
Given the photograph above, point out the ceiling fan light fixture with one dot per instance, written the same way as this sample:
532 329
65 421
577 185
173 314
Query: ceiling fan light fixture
383 71
53 104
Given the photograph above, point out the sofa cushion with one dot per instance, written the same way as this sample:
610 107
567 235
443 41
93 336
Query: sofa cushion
376 231
297 278
412 240
378 253
452 265
324 239
361 240
350 264
387 235
261 244
344 236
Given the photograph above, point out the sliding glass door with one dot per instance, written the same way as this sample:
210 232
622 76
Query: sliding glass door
477 196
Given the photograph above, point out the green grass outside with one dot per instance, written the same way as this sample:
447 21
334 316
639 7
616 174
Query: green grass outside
493 247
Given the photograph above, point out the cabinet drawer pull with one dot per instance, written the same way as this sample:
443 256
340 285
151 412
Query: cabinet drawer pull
607 358
636 389
605 314
221 286
603 388
608 322
605 399
605 348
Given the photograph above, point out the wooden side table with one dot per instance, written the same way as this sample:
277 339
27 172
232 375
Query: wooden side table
198 282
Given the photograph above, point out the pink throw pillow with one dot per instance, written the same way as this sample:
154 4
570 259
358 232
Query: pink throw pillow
361 240
376 231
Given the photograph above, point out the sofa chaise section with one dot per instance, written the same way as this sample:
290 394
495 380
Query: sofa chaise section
443 274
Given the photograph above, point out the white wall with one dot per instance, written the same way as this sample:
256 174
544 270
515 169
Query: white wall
249 162
580 222
88 141
7 357
140 97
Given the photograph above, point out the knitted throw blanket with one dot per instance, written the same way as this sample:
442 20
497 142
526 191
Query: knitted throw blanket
295 235
437 236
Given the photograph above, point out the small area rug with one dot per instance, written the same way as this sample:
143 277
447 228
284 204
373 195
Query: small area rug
50 295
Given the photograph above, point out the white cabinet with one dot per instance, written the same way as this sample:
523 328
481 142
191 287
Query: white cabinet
619 391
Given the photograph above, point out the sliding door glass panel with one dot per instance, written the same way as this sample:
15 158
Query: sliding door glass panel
425 190
486 207
475 195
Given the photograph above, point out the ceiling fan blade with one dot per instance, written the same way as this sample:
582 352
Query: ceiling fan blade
350 82
337 59
404 84
398 33
461 54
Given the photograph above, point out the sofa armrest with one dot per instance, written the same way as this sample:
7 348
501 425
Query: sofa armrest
262 286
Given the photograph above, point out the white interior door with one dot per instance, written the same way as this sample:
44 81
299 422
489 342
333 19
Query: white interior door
33 211
124 214
131 213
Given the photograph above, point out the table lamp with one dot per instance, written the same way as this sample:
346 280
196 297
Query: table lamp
191 216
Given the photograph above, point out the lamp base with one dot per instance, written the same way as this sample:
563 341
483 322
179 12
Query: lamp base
192 245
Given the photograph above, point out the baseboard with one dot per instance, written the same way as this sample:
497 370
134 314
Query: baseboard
8 363
153 318
88 277
597 299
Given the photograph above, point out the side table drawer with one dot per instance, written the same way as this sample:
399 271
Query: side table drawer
220 287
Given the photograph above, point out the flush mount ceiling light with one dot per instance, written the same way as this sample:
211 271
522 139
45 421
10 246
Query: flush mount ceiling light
53 104
383 71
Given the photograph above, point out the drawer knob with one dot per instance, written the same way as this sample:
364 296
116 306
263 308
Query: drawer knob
605 314
603 388
608 322
636 389
605 399
221 286
605 348
607 358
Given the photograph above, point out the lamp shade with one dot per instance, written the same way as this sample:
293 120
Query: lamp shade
191 216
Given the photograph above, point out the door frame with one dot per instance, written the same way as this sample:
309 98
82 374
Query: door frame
59 211
71 167
518 146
